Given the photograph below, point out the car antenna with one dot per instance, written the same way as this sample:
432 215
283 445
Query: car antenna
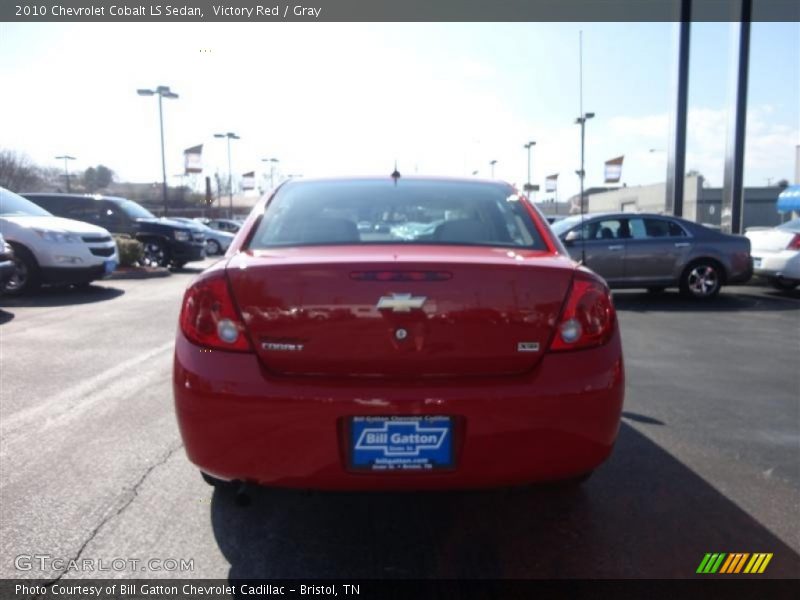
395 174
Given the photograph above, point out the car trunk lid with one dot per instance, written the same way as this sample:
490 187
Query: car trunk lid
399 311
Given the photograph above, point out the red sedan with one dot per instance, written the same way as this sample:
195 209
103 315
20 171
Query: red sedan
397 333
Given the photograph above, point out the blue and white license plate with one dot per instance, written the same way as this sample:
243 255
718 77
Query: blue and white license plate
756 262
423 443
110 265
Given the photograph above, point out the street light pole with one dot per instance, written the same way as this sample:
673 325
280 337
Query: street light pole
65 158
582 173
529 145
492 163
163 154
230 136
162 91
272 162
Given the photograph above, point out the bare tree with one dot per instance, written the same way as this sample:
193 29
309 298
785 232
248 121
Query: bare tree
17 172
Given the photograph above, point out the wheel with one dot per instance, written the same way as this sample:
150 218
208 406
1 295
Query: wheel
212 248
785 285
213 481
155 253
572 482
28 277
656 289
701 280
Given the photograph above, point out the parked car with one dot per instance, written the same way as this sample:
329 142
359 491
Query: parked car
217 242
320 356
229 225
776 254
166 242
642 250
7 266
52 250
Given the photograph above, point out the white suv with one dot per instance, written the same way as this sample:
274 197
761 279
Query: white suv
52 250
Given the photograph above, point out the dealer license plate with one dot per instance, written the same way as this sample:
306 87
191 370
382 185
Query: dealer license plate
419 443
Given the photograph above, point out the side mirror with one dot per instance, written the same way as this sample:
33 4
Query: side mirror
572 237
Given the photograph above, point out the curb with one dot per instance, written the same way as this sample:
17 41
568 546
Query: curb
139 273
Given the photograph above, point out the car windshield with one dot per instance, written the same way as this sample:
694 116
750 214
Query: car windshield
793 225
563 225
403 212
12 204
134 210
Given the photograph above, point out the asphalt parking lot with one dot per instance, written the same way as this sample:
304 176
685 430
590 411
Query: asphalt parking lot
708 458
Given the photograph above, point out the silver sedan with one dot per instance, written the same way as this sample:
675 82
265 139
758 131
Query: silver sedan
639 250
217 242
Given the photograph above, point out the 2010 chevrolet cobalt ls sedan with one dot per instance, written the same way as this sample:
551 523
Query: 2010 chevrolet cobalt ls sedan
451 344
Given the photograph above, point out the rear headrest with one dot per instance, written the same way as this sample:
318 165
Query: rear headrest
464 230
325 229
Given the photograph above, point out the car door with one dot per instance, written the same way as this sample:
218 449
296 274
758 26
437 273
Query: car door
82 209
601 244
656 249
112 217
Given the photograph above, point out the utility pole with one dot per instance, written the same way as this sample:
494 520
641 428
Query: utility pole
65 158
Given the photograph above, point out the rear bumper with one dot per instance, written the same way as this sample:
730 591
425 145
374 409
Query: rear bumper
738 267
239 422
785 264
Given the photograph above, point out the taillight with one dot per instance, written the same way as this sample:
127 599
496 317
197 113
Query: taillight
588 316
795 243
209 317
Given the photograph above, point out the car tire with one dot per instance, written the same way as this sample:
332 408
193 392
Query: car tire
785 285
656 289
573 482
213 248
154 253
702 279
214 481
28 277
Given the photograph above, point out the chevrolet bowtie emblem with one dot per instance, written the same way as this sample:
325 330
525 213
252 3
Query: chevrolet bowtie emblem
401 302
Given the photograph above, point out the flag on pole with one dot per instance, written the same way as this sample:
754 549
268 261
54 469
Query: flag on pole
249 180
193 159
614 169
551 183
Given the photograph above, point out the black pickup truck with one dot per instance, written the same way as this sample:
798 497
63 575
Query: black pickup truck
166 242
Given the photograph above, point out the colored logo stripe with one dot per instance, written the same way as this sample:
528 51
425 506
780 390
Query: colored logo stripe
734 563
711 563
758 563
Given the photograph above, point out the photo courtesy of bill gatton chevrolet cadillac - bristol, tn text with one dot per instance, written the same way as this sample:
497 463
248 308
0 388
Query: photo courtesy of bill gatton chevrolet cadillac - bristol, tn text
397 333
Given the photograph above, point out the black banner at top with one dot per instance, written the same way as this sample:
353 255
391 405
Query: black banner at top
385 10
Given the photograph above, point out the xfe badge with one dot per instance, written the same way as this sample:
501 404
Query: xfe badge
401 443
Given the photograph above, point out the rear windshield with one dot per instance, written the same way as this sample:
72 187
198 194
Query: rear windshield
408 212
793 225
12 205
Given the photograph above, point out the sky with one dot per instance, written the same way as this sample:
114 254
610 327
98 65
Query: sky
350 99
